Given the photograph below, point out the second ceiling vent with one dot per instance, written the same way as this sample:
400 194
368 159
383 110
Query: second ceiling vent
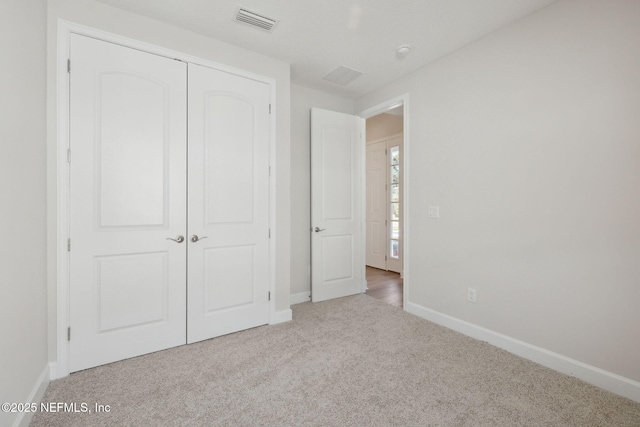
342 75
255 19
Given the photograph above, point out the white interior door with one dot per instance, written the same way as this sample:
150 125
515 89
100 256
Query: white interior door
128 181
228 203
376 217
337 214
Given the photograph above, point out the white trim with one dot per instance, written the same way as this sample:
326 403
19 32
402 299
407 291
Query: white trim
363 205
599 377
65 29
62 202
375 141
273 173
385 106
53 369
373 111
37 392
282 316
300 297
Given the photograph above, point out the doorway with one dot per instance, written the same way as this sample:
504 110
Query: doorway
338 250
385 286
384 235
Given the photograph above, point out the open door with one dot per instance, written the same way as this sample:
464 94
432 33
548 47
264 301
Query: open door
337 211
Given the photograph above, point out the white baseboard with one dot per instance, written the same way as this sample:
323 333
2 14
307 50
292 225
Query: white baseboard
281 317
599 377
37 392
53 371
300 297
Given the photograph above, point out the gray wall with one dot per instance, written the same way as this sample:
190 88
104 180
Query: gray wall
302 100
23 291
528 140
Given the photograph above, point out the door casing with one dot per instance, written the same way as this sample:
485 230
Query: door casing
59 259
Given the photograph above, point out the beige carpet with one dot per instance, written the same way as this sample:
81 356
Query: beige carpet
349 362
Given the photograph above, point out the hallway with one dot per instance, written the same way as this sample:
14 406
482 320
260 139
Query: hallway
385 286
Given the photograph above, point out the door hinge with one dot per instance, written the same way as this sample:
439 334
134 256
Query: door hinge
68 155
269 170
68 245
269 108
385 257
69 333
385 151
269 296
269 233
68 65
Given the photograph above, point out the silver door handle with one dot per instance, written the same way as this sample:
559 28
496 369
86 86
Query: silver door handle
318 229
178 239
195 238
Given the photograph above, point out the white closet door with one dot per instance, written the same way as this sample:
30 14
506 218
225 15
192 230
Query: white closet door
228 240
128 181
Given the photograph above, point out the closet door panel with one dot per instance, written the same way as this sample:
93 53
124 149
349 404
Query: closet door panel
228 216
128 195
229 146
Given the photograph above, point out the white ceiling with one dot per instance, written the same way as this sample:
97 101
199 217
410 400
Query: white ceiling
317 36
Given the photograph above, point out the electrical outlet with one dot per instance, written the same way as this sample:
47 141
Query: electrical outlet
471 294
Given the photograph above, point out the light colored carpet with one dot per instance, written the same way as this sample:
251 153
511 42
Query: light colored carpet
349 362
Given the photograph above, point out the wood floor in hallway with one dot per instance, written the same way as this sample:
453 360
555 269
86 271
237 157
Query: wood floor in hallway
385 286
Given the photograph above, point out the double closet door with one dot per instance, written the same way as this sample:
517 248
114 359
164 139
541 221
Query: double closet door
169 185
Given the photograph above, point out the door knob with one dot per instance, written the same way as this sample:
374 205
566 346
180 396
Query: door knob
318 229
178 239
195 238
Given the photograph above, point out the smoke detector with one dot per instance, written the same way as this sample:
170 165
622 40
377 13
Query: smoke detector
255 19
403 51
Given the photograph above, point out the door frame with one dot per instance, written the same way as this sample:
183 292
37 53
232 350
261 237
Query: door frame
60 192
374 111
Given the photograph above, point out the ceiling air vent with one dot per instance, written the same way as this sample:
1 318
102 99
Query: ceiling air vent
342 75
255 19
